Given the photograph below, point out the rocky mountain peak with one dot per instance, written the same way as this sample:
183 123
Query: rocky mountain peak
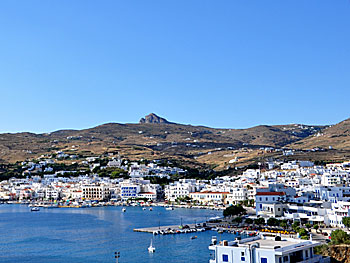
153 118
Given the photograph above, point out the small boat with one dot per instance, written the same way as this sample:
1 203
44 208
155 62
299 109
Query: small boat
150 209
193 237
124 209
35 209
169 208
144 208
151 249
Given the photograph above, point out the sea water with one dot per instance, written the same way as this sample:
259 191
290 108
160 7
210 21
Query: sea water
95 234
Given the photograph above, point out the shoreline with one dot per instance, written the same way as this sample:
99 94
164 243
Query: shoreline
119 203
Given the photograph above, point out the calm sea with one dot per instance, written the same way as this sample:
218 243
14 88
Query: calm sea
94 234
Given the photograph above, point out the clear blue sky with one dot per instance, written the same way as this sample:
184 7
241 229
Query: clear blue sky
228 63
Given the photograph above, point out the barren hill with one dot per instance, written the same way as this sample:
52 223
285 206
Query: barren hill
336 137
153 138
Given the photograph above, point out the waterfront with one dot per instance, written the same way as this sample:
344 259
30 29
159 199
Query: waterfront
94 234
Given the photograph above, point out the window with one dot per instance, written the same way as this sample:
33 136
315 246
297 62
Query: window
242 259
285 259
263 260
225 258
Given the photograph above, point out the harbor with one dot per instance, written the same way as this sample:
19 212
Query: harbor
96 233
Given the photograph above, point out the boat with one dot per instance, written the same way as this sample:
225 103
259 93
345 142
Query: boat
150 209
144 208
124 209
151 249
193 237
35 209
169 208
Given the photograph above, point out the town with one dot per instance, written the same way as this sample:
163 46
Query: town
298 194
296 190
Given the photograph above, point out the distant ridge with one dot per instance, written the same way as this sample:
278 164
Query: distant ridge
154 118
335 137
155 137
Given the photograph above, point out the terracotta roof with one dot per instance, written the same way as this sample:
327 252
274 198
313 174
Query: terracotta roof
270 193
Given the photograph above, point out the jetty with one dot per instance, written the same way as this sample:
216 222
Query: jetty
164 228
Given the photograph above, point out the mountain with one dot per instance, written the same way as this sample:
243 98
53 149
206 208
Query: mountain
335 137
153 118
155 138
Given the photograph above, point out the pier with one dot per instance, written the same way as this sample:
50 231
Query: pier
163 228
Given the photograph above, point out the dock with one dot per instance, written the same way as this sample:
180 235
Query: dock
162 228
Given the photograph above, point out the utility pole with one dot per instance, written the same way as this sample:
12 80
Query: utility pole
117 256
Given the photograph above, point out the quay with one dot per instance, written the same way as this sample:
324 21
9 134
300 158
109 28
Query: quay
163 228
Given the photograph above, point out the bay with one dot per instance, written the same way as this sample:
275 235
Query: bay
94 234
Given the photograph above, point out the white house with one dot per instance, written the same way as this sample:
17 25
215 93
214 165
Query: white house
261 249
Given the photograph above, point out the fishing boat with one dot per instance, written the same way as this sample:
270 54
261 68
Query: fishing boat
35 209
144 208
150 209
169 208
151 249
193 237
124 209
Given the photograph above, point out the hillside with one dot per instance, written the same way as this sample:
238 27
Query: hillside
335 137
152 138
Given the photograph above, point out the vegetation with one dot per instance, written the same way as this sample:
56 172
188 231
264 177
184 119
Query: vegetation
183 199
259 221
296 226
346 221
339 237
273 221
237 220
249 221
234 210
158 180
112 172
283 224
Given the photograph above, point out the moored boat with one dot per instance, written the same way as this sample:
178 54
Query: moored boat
151 248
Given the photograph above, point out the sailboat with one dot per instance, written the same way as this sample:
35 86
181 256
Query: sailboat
151 249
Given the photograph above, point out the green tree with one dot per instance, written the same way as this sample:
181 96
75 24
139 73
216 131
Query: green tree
249 221
234 210
346 221
339 237
259 221
283 224
296 226
237 219
273 221
302 232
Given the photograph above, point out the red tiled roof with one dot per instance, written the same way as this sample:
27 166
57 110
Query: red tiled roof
270 193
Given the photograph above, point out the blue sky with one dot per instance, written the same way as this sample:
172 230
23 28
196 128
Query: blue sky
229 63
